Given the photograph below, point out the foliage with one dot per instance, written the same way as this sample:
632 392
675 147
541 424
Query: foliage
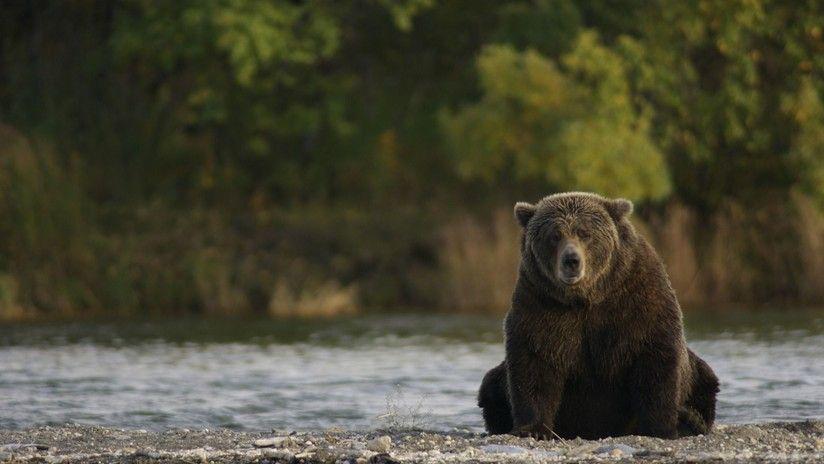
547 26
241 80
138 114
718 76
574 126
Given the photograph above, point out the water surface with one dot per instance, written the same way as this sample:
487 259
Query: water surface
357 373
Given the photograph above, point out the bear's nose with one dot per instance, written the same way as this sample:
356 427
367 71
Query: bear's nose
571 261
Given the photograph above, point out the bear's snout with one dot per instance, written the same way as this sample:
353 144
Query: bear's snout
570 264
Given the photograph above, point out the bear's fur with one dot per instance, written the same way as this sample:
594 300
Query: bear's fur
594 338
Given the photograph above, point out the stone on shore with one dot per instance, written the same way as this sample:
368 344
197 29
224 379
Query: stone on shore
379 445
277 442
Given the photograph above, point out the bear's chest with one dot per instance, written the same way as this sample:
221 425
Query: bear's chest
605 352
594 350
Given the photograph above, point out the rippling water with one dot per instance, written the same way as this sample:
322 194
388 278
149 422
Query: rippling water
355 373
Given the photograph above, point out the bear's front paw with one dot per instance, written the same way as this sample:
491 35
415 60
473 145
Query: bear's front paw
538 431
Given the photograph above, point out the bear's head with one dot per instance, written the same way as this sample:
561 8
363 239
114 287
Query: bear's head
572 240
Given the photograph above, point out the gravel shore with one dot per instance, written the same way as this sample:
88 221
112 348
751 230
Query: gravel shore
774 442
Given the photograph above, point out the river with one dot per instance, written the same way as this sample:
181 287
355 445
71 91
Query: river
364 372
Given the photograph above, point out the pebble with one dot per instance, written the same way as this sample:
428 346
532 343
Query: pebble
199 454
25 446
277 442
616 450
708 456
279 454
654 453
503 449
583 449
5 456
379 445
510 449
332 453
151 454
541 453
383 458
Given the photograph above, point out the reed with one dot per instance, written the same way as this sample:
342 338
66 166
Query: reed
325 300
479 262
810 226
737 257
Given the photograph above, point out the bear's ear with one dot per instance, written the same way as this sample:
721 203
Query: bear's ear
619 208
524 212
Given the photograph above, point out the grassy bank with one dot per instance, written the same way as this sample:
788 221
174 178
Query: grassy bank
64 255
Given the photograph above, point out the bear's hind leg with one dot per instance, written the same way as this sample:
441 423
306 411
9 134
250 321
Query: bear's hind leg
493 398
691 423
698 414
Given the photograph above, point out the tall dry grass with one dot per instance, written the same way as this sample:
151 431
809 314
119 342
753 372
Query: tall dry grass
705 259
217 283
479 263
325 300
810 225
742 256
47 245
672 235
10 307
737 257
62 257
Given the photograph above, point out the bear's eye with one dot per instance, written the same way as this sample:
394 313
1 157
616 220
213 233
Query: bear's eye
554 235
583 233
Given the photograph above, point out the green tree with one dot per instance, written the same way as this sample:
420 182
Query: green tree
243 81
727 83
571 123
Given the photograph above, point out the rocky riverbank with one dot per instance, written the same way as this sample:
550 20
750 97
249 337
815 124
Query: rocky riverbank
777 442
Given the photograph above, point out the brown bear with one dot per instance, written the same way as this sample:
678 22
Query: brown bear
594 338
